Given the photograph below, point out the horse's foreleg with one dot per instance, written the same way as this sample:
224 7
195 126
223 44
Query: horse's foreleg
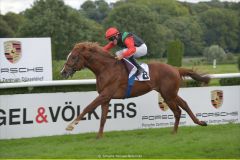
103 119
183 104
177 114
101 99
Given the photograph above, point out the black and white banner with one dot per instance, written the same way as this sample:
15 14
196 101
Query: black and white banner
32 115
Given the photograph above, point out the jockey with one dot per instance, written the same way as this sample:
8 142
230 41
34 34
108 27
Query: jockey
132 46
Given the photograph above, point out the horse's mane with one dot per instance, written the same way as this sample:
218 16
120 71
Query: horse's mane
93 47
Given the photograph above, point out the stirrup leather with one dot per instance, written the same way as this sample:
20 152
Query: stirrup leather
139 68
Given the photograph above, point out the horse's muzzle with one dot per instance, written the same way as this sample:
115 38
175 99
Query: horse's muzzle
66 74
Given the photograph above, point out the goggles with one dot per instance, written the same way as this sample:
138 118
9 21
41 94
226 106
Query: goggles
112 38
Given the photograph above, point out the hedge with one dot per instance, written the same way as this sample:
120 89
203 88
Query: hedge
175 52
229 81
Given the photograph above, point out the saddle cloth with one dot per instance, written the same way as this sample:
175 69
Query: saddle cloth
132 70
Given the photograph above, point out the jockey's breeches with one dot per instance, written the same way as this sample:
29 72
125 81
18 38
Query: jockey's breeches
140 51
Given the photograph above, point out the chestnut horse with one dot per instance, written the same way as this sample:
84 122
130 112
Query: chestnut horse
112 81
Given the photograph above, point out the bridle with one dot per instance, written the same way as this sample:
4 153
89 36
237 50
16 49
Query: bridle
73 66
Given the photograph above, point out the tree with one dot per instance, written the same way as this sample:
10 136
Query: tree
215 4
214 52
63 24
14 21
221 26
199 8
165 9
165 36
189 32
97 10
5 30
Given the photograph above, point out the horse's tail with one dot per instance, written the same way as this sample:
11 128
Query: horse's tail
194 75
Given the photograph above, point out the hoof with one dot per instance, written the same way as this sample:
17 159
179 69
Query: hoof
75 122
99 137
69 128
202 123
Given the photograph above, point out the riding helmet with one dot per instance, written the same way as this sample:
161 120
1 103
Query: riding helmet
111 32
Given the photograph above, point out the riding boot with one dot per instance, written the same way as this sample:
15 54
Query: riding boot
139 68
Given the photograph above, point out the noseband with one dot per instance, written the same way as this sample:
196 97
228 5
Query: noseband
74 64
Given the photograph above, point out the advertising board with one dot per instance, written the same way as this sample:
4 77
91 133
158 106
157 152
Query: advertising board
46 114
214 105
25 59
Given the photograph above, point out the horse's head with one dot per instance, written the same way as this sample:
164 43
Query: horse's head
75 62
85 54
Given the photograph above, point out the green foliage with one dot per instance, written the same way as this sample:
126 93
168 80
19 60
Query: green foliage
97 10
157 22
164 9
229 81
5 30
214 52
198 8
189 32
155 35
221 26
83 74
191 83
175 52
14 22
64 25
238 63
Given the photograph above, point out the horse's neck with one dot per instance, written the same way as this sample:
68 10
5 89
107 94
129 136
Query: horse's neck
97 63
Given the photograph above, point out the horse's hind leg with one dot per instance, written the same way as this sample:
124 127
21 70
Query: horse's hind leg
183 104
177 113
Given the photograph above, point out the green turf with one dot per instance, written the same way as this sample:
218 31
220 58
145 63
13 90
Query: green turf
202 68
83 74
215 141
221 68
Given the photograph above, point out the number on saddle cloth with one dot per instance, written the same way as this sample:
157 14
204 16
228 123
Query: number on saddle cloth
132 75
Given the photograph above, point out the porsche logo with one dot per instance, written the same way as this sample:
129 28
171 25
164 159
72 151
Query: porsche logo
217 98
162 104
12 51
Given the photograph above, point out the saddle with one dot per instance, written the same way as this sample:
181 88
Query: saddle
132 71
144 76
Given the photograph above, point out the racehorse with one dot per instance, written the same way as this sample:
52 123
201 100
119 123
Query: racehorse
112 81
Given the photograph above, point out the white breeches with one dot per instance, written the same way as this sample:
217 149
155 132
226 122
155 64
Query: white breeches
140 51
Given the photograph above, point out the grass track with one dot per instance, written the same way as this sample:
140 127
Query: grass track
203 68
215 141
